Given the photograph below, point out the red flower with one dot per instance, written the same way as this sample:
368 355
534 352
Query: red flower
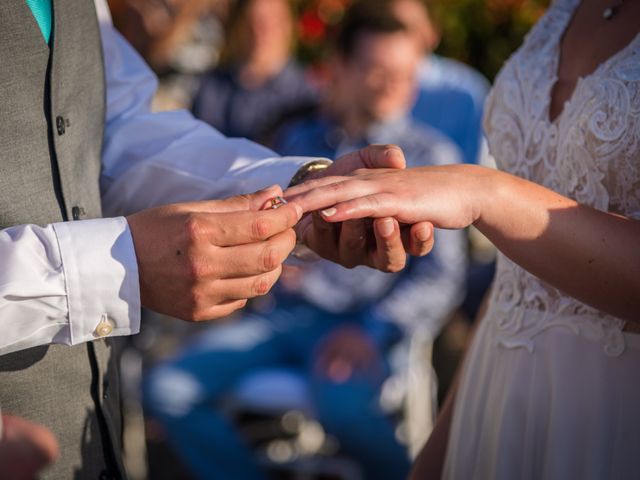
311 28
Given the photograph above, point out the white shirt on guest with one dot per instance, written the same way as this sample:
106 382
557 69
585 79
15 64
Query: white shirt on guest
71 282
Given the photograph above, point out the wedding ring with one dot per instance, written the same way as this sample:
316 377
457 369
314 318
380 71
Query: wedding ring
277 202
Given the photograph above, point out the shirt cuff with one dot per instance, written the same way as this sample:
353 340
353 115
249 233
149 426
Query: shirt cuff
101 278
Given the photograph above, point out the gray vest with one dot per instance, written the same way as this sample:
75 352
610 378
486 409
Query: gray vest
51 129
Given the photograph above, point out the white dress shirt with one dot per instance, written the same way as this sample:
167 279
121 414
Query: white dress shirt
72 282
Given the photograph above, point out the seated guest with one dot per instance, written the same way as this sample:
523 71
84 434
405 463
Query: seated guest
450 99
451 94
258 82
336 325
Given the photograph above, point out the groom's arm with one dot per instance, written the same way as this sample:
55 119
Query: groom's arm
152 158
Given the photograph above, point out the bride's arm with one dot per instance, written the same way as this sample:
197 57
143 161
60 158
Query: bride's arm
591 255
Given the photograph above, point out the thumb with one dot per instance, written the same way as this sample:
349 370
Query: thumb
372 156
383 156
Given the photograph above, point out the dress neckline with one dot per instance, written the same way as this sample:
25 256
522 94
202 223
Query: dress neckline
556 65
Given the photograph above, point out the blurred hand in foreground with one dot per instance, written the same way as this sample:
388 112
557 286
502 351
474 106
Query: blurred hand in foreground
25 448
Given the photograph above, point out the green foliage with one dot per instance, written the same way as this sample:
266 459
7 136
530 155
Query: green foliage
484 33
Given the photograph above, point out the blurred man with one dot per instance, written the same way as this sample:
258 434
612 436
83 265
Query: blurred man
258 81
179 39
338 325
451 94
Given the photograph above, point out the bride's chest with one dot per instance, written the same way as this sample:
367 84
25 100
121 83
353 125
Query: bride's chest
591 150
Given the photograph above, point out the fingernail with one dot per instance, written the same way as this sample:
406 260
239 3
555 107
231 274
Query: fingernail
299 210
394 153
329 212
424 234
386 227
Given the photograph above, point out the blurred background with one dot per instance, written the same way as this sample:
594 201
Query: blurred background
336 374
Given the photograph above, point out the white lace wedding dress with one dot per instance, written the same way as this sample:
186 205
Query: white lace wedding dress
551 387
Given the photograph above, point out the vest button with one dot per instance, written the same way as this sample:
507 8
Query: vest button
60 125
77 213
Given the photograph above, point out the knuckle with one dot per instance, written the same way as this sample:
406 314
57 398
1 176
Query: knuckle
336 187
373 202
261 286
193 227
197 270
270 258
260 228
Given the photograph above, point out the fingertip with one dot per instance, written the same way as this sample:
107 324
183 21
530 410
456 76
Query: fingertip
386 227
423 232
422 239
395 157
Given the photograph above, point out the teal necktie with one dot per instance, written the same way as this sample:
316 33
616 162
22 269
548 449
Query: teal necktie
41 10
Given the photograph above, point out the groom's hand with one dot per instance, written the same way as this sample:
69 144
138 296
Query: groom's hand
379 243
203 260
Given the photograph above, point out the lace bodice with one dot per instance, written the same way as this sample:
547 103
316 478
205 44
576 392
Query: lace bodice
590 152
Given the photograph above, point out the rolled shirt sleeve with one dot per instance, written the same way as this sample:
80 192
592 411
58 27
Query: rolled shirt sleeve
154 158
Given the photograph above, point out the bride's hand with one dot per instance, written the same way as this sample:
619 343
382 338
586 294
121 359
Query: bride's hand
447 196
